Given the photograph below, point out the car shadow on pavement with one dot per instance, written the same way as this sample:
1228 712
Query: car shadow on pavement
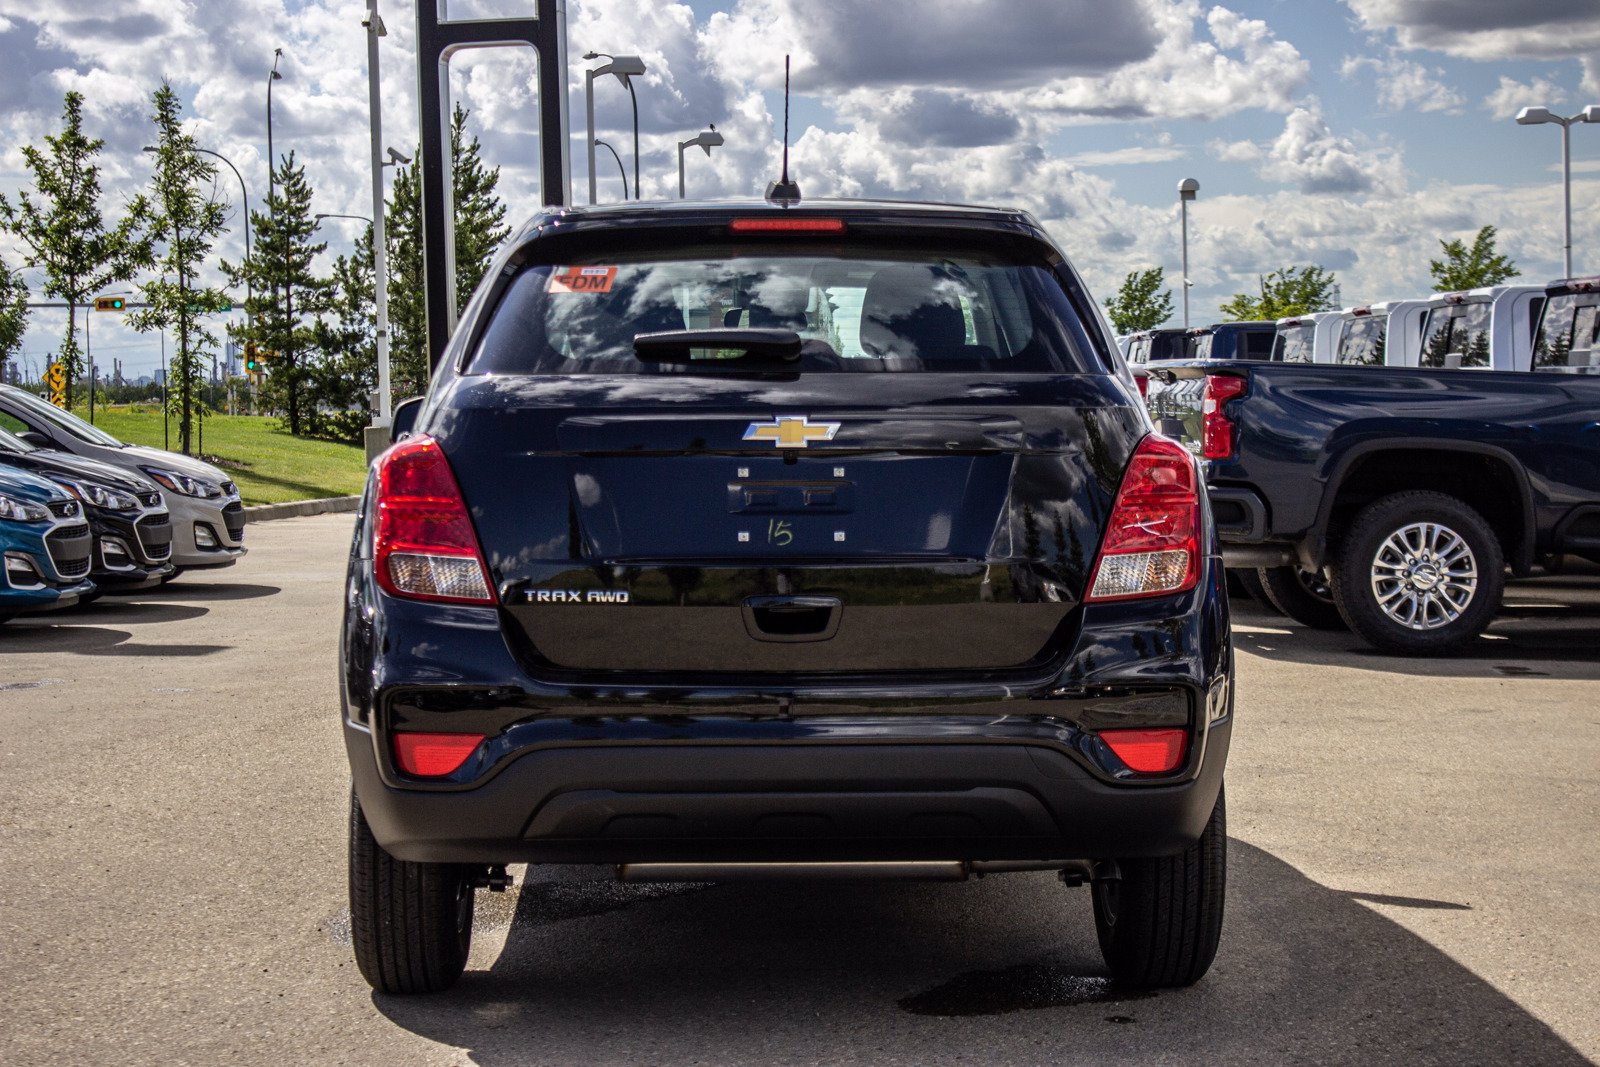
999 970
19 637
1562 635
184 589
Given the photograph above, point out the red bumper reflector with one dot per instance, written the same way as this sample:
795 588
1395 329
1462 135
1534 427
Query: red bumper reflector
787 224
1147 751
434 755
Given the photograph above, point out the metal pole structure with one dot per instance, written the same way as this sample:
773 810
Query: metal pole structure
438 39
375 29
272 163
166 437
88 352
1566 194
681 146
1187 189
588 111
633 96
620 169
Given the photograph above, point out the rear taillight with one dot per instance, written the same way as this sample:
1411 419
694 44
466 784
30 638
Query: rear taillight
1152 542
1216 436
435 755
1144 384
1147 751
425 547
787 224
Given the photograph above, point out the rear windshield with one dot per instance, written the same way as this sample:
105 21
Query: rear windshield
1456 335
1361 341
1198 346
876 311
1569 334
1293 343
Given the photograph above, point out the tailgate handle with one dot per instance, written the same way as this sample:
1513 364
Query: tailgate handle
792 618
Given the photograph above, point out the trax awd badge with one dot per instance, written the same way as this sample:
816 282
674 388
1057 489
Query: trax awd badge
579 596
791 431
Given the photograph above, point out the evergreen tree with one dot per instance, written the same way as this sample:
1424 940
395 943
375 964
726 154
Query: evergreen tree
1137 305
287 298
13 314
1471 268
61 230
346 369
480 228
185 224
1286 292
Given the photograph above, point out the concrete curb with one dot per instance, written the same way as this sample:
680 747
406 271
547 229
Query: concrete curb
296 508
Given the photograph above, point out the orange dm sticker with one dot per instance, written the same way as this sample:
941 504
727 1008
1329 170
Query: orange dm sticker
582 279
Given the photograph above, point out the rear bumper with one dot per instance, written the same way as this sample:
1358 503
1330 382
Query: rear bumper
909 798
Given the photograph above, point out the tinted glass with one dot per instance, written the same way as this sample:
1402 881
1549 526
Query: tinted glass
10 442
1255 344
1293 343
1139 350
1569 334
38 411
1456 335
1198 347
1361 341
872 312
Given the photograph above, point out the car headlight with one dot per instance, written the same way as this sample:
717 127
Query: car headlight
183 484
22 511
101 496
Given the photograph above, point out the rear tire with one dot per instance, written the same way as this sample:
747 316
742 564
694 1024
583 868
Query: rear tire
1419 573
1159 924
1303 596
1250 582
411 923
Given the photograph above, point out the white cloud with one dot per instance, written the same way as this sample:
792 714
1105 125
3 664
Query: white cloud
1309 155
1404 85
1493 29
1512 96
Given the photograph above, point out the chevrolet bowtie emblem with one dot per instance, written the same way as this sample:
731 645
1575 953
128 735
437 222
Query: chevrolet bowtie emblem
791 431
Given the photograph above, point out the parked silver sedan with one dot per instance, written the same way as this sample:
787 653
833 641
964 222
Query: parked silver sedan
207 515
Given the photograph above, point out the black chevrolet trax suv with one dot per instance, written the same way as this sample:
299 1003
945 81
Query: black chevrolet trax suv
754 540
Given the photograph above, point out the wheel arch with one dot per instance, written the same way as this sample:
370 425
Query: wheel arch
1375 469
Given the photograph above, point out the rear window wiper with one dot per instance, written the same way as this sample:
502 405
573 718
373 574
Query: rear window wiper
731 348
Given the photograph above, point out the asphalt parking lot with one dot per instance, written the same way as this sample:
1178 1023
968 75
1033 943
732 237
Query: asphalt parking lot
1414 854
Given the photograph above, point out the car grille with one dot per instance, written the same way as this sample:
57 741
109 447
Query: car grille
155 536
70 548
65 509
233 515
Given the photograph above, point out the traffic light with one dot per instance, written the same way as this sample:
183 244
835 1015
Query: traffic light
252 362
109 303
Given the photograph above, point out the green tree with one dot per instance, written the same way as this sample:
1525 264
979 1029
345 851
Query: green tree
1140 304
62 232
287 299
480 228
346 369
1286 292
1471 268
13 314
185 224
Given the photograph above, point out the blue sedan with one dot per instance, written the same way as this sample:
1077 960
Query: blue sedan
45 543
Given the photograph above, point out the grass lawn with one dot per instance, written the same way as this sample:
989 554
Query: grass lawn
270 465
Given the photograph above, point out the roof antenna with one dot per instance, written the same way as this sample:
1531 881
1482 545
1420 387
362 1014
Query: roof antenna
784 190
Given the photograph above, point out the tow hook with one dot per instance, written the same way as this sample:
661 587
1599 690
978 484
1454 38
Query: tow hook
494 879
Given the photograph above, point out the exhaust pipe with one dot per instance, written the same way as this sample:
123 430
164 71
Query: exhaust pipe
899 870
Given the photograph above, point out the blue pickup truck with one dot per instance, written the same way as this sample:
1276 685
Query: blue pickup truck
1397 501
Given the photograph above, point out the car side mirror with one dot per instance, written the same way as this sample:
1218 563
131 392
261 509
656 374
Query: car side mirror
405 418
36 439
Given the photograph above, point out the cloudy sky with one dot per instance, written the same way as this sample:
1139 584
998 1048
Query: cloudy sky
1349 133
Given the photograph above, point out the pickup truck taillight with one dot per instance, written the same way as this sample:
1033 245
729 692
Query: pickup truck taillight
425 547
1152 542
1216 436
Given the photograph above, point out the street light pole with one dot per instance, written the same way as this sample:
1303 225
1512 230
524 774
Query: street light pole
380 247
1187 190
625 68
1536 116
244 192
272 76
707 139
620 170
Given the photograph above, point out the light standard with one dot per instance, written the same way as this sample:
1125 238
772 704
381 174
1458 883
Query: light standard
620 169
707 139
1536 116
625 68
380 246
1186 192
272 76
